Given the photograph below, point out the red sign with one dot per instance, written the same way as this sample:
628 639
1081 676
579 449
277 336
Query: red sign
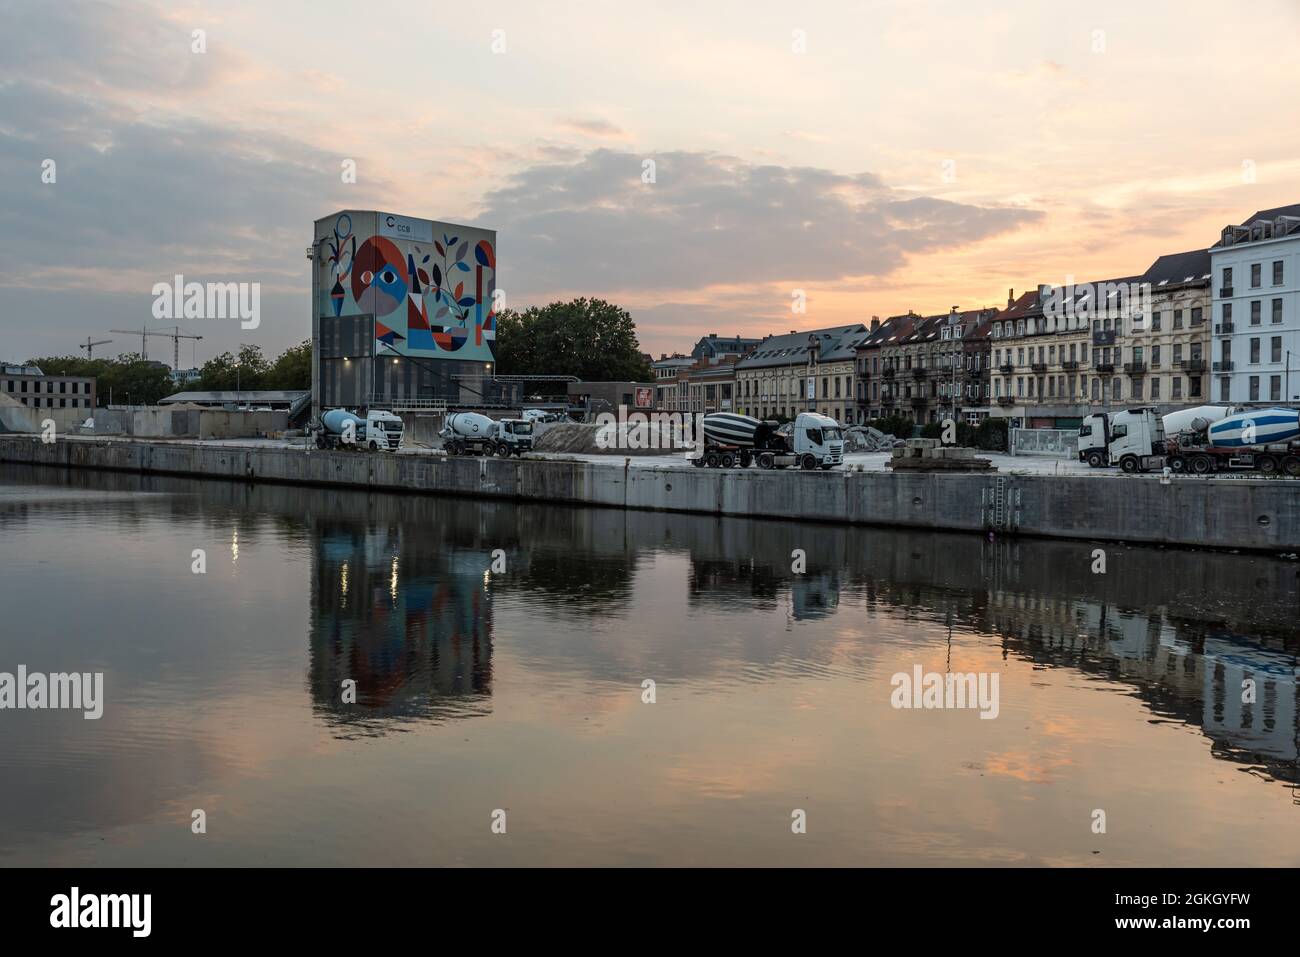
644 398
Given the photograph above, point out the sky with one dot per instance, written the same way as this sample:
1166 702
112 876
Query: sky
863 158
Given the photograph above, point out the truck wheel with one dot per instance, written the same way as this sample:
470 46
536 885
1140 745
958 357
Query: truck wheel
1202 464
712 460
1291 465
808 463
1266 464
728 460
1128 464
1094 460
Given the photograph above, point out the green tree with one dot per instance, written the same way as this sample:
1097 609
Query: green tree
589 338
246 371
292 371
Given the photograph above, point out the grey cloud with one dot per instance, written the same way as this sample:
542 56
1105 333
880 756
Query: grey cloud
710 219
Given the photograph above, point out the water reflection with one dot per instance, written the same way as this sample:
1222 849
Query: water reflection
397 594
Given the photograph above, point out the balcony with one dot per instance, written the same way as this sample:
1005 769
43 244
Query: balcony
1135 368
1006 368
1225 292
1038 366
1104 368
1006 400
1225 366
1070 365
1223 328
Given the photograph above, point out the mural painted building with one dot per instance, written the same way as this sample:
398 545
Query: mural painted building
402 313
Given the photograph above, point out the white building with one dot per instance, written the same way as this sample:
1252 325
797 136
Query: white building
1255 266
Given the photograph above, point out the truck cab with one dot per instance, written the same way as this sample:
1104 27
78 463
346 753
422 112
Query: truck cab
818 439
384 430
1133 439
516 435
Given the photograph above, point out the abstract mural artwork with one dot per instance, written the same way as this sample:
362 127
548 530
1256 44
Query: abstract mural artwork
431 298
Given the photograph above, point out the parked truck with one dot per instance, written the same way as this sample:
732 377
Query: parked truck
1133 439
472 433
1263 440
815 441
376 430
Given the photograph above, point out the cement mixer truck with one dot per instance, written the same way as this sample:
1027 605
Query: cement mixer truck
471 433
1255 440
816 441
339 428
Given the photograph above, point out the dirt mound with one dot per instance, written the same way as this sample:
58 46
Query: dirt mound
580 438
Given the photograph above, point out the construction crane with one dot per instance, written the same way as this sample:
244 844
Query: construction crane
89 346
175 335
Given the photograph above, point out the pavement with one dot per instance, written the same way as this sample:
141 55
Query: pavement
858 461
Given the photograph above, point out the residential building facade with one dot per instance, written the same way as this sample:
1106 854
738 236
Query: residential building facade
1255 288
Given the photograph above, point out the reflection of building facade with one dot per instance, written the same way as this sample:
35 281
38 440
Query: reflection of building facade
412 628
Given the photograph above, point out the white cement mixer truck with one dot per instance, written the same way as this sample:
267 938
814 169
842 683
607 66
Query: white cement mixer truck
471 433
377 430
1254 440
816 441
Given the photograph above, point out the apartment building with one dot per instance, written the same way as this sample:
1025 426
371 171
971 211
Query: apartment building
1255 286
801 371
1166 359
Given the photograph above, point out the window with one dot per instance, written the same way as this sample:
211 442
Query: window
1255 305
1277 311
1254 388
1277 273
1256 269
1275 387
1254 351
1275 349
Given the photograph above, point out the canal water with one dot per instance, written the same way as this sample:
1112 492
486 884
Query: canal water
624 688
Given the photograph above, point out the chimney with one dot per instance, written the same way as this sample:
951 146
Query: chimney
1011 298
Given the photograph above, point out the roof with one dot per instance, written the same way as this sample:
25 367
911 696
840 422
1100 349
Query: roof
834 343
711 345
244 397
1176 268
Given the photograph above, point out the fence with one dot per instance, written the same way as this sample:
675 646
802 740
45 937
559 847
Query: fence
1062 442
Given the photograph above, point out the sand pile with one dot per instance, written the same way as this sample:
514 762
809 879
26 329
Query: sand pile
580 438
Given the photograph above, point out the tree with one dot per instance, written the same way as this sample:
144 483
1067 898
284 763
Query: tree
227 372
588 338
292 371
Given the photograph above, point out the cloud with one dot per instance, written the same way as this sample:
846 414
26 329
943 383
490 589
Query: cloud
710 219
594 127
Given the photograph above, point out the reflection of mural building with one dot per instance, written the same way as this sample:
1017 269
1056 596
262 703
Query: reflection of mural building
412 628
403 312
